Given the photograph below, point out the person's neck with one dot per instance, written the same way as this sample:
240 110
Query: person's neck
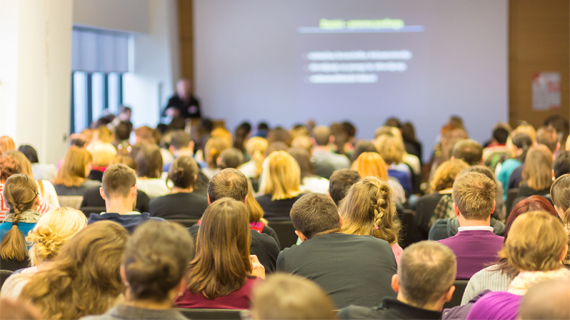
148 304
474 223
183 152
437 306
181 190
119 205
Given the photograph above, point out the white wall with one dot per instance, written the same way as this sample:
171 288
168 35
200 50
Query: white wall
122 15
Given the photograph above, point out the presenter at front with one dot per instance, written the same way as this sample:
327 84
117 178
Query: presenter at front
183 104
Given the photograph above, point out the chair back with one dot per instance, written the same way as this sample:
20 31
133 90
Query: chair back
455 301
187 223
285 232
406 220
4 274
70 201
206 314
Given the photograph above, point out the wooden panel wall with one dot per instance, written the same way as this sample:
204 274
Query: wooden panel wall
539 41
186 36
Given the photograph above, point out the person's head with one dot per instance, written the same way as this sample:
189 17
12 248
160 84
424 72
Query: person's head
84 278
230 158
393 122
314 214
145 134
547 300
255 148
303 158
361 147
149 161
537 170
103 154
288 296
349 130
102 134
155 262
29 152
183 172
21 194
299 130
213 150
123 130
75 168
408 132
469 151
368 210
474 196
281 176
371 164
25 164
537 242
518 145
500 135
560 195
52 231
126 160
229 183
446 173
279 134
526 128
480 169
548 137
241 134
119 183
8 167
6 144
303 142
321 135
125 113
340 182
561 165
449 139
179 140
222 261
425 275
391 149
532 203
184 88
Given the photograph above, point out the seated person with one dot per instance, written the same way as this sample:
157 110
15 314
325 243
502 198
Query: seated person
180 145
223 273
151 287
536 174
361 277
72 176
341 181
182 202
469 151
546 301
561 165
233 184
284 296
322 153
424 283
310 182
392 150
119 191
149 170
230 158
475 245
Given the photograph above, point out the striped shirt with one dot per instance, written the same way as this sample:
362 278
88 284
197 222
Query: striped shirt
42 208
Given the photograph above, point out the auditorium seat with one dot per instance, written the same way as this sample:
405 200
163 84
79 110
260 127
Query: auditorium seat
70 201
406 220
206 314
187 223
87 211
460 286
285 232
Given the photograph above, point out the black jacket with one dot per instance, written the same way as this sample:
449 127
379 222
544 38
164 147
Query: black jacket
389 309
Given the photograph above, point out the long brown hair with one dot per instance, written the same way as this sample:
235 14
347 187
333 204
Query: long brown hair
253 207
537 170
368 209
560 193
72 172
84 279
20 192
25 164
222 265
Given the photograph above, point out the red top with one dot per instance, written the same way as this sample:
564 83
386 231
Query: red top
239 299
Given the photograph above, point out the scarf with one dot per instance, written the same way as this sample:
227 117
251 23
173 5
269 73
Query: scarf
526 279
443 209
28 216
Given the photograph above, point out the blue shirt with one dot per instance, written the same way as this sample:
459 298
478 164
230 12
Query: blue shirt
129 221
24 228
507 169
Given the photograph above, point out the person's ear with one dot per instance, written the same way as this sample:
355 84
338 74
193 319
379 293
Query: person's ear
331 139
456 209
341 221
313 141
494 205
557 147
191 146
395 283
123 274
564 252
102 193
37 201
208 195
134 191
553 174
300 235
171 149
449 294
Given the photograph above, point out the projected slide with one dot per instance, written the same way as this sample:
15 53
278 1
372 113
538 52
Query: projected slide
359 60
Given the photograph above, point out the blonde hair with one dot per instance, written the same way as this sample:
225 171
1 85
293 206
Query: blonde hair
72 171
536 242
222 133
213 150
371 164
537 170
6 144
52 231
253 207
255 148
103 154
445 174
474 193
391 149
368 209
281 176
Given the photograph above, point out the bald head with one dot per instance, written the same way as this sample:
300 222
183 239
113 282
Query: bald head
322 135
547 300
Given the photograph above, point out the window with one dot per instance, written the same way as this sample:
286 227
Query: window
99 60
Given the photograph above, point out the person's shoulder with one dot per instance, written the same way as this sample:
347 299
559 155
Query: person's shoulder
91 183
438 230
357 312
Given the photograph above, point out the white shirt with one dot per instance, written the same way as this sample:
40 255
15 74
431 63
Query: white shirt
483 228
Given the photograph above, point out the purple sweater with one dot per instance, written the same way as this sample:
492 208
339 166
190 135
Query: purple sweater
474 250
496 305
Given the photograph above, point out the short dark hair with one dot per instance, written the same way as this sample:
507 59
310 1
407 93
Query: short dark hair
149 161
548 137
29 152
231 158
340 182
123 130
349 129
179 139
469 151
322 135
313 214
118 180
501 135
229 183
183 172
561 165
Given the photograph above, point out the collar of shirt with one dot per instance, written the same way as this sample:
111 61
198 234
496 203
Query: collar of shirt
484 228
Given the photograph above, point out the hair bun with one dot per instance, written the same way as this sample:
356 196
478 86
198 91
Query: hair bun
46 242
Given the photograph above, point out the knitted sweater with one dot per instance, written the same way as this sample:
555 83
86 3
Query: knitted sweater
486 279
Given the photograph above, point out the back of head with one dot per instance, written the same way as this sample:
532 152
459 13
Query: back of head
408 132
118 180
560 194
426 271
229 183
126 160
179 139
371 164
561 165
537 242
52 231
523 142
284 296
445 175
474 194
340 182
18 310
548 137
500 134
314 214
231 158
391 149
183 172
6 144
469 151
537 170
303 158
221 266
149 161
361 147
393 122
72 172
279 134
88 263
145 134
322 135
256 148
302 142
29 152
8 167
156 259
349 129
480 169
369 210
123 130
546 301
281 176
532 203
25 164
213 150
103 154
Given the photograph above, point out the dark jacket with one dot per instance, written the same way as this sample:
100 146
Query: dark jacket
444 228
182 205
525 191
389 309
422 214
92 198
129 221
